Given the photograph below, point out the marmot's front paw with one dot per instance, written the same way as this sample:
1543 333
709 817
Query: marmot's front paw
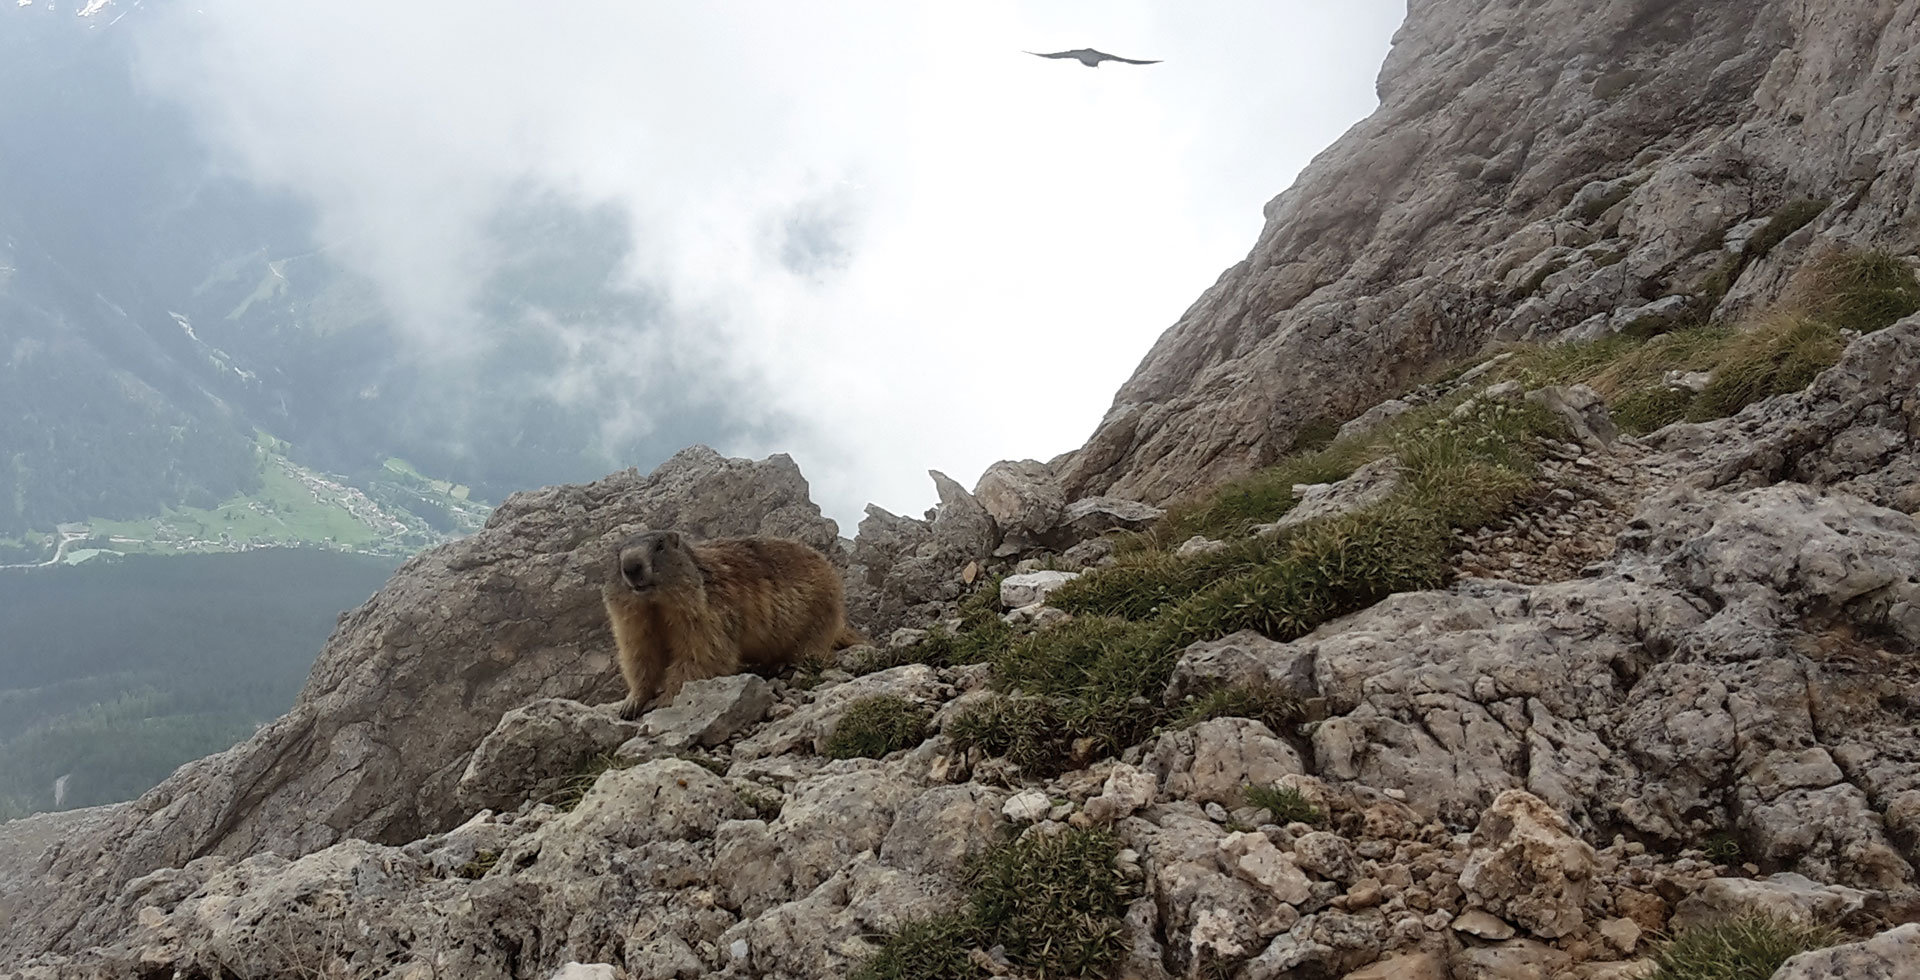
632 708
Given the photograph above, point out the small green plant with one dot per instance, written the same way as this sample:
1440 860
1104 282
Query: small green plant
1054 901
1026 731
1288 805
1277 710
1792 216
1857 290
875 726
1778 357
1722 848
925 949
1745 948
574 788
1657 406
765 805
483 862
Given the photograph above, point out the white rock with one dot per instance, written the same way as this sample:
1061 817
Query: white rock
1017 591
582 971
1027 807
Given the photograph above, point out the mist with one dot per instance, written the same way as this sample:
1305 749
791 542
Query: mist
877 236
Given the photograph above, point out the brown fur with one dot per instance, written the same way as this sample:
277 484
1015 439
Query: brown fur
683 611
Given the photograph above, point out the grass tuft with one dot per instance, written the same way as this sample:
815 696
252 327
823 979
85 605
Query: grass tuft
1277 710
1288 805
925 949
1791 217
483 862
575 787
875 726
1747 948
1025 731
1052 902
1782 355
1857 290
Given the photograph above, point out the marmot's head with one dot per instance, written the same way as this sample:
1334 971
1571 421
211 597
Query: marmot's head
653 560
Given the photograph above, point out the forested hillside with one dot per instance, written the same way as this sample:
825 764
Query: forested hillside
115 673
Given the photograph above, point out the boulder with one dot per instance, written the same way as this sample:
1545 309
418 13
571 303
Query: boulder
709 712
536 748
1024 500
1528 867
1891 955
1785 896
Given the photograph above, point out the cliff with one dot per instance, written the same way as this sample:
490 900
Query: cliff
1531 167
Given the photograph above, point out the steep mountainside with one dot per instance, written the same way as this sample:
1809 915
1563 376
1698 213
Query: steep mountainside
1531 167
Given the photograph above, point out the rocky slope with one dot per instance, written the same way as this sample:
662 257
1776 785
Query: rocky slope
1514 779
1533 168
1667 681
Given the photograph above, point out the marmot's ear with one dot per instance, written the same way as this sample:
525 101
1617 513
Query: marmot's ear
673 539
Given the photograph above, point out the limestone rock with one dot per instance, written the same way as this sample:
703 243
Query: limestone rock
1582 409
1786 896
1891 955
1027 807
1253 859
902 569
1127 789
1090 517
585 971
708 712
1516 959
1243 659
810 726
1527 866
823 825
1409 966
1024 500
1369 485
1214 761
534 749
1017 591
1479 922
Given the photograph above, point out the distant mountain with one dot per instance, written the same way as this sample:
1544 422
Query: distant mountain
156 317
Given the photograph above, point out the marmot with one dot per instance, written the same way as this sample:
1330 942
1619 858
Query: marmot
683 611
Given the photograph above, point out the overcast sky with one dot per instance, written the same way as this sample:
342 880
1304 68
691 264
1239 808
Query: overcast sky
879 221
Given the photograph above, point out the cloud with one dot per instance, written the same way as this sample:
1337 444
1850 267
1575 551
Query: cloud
878 233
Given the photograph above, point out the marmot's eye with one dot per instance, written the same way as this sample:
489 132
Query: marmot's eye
660 544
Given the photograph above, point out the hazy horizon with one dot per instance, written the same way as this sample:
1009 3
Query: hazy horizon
880 238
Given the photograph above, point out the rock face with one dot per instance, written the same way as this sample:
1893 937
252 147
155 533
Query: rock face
412 681
1892 955
1531 167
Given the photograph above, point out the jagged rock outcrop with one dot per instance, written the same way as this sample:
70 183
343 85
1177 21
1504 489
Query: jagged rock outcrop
411 682
1530 168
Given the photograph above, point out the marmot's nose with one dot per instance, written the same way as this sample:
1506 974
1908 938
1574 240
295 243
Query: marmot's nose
635 574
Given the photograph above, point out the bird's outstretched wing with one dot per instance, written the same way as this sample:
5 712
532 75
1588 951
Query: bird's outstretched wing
1089 57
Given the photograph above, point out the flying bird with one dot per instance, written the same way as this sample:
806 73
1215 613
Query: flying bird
1090 57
